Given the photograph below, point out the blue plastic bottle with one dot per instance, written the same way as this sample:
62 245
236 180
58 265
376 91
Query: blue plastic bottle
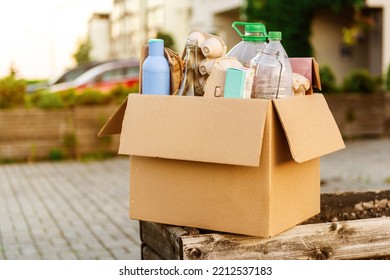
155 70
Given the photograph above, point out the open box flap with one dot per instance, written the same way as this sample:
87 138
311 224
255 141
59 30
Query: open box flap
218 130
114 124
309 125
309 68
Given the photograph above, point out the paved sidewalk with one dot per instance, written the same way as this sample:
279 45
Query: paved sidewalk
67 210
74 210
363 166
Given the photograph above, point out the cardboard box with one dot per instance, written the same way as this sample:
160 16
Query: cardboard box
246 166
309 68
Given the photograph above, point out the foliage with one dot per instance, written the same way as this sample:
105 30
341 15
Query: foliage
328 79
82 53
293 18
168 39
56 155
360 81
120 92
12 91
69 97
92 97
70 144
388 78
47 100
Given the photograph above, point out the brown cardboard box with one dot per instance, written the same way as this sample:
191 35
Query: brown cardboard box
246 166
309 68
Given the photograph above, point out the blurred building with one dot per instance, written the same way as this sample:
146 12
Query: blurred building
133 22
99 30
217 17
371 51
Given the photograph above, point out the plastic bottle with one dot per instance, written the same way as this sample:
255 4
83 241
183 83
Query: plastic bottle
267 80
274 44
155 70
253 40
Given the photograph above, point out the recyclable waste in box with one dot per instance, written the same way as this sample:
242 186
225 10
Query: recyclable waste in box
246 166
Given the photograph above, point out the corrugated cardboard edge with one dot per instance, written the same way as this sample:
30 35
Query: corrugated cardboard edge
194 128
114 124
311 71
310 127
316 75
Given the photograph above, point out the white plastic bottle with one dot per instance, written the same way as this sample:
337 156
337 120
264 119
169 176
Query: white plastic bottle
274 44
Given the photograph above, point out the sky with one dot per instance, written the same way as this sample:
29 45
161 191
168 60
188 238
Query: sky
38 37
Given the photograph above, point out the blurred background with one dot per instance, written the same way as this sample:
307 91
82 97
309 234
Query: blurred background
41 39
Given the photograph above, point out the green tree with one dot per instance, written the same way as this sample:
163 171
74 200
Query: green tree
293 18
169 42
12 91
82 53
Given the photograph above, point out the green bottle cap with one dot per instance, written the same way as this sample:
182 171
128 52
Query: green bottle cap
253 31
275 35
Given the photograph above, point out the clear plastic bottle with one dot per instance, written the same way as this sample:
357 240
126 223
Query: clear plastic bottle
253 40
274 44
268 76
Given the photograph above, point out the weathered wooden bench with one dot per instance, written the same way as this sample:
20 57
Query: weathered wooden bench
349 239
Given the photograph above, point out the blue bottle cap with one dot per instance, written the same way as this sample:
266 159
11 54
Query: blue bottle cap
156 47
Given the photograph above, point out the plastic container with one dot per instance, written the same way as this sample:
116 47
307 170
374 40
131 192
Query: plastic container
274 44
155 70
253 41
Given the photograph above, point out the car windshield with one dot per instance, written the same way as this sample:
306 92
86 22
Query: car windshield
73 74
109 70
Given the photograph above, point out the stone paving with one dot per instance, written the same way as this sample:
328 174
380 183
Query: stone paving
363 166
67 211
74 210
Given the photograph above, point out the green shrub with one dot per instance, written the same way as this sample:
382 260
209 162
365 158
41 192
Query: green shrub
119 93
56 154
32 99
70 144
92 97
48 100
360 81
328 79
69 97
12 92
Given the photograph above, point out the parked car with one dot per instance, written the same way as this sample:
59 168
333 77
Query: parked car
66 77
103 76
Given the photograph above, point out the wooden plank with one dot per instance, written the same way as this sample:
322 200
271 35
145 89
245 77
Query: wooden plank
358 239
164 239
358 115
149 254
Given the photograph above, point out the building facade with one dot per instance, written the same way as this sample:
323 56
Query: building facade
99 30
371 52
135 21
